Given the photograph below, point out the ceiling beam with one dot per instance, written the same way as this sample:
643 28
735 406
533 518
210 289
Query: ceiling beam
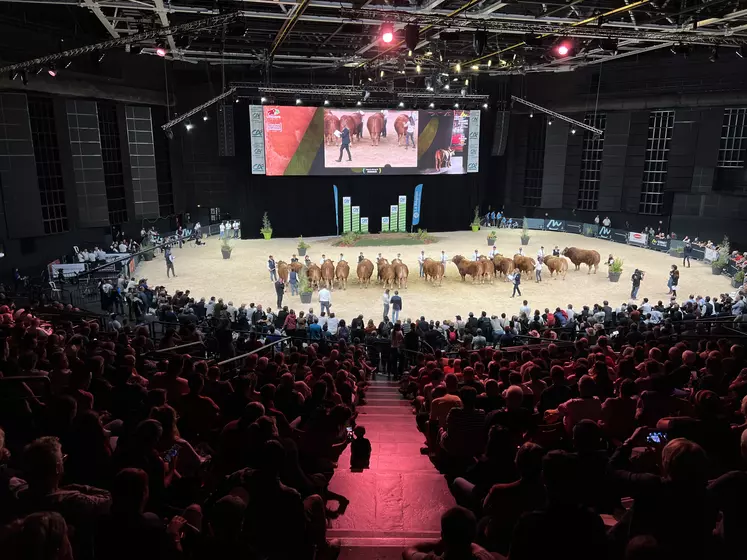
91 5
289 24
164 18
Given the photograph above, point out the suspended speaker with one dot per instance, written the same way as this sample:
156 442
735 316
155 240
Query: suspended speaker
412 36
500 134
479 42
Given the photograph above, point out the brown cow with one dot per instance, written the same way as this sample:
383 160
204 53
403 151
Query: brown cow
583 256
401 272
443 158
328 274
342 271
466 267
331 125
364 272
556 265
314 273
399 127
283 270
375 125
524 264
380 263
352 123
296 267
433 270
487 269
386 272
503 265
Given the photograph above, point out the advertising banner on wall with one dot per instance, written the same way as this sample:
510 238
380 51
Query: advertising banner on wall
660 244
393 217
710 255
417 200
257 139
402 213
555 225
346 204
364 225
574 227
604 232
591 230
473 146
534 223
356 218
698 253
619 236
635 238
385 223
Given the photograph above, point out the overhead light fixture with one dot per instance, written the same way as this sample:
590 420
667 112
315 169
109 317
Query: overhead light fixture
401 104
387 32
326 101
428 83
188 125
531 115
549 122
263 99
742 52
490 62
458 68
68 64
409 52
417 68
381 74
484 105
456 105
463 92
475 67
298 100
205 116
466 82
412 37
52 71
24 77
563 48
573 130
714 54
161 51
431 105
479 41
359 104
447 86
428 53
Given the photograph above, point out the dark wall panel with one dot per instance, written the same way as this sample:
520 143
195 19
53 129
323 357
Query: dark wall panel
20 184
705 156
556 152
573 167
681 150
614 157
142 161
88 167
635 159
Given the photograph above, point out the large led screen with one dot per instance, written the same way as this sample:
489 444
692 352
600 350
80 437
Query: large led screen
318 141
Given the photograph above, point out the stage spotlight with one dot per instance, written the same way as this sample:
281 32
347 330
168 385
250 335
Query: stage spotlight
429 83
24 77
429 53
68 64
475 67
298 100
52 71
188 125
490 62
381 74
447 86
412 36
161 51
531 115
359 103
549 122
387 32
463 92
742 52
479 41
563 48
456 105
431 105
417 68
458 68
205 116
263 99
714 54
409 53
401 104
466 82
573 130
484 105
326 101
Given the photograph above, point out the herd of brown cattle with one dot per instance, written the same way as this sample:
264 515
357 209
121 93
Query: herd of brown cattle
354 122
395 274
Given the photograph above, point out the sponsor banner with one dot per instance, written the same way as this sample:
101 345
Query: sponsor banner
356 218
710 254
131 267
660 244
385 223
574 227
619 236
416 205
257 139
591 230
67 269
698 253
346 207
364 225
535 223
337 209
635 238
604 232
555 225
393 208
473 145
402 213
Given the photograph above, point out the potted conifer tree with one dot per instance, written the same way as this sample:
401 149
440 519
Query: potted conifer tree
266 229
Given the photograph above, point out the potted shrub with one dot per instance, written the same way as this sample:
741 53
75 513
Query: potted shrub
304 288
491 238
226 248
718 266
266 229
302 246
738 279
525 233
615 270
476 220
147 251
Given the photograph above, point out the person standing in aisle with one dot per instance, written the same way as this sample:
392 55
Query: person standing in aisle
271 267
687 253
636 283
280 290
538 270
385 300
325 300
517 282
169 262
396 302
675 279
222 229
293 281
421 260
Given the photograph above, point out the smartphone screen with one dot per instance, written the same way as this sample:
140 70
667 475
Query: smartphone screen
656 437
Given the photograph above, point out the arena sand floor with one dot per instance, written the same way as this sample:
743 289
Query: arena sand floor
244 277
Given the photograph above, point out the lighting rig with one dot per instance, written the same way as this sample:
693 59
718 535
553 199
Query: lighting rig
573 122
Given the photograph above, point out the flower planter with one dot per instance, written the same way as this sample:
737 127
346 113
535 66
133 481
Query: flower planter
305 297
736 283
475 227
148 256
716 270
226 254
491 241
267 234
615 276
525 241
302 251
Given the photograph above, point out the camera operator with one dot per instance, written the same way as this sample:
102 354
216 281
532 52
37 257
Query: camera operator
636 280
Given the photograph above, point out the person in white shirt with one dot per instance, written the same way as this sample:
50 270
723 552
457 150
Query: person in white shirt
493 252
131 285
222 228
106 287
525 308
521 252
235 229
476 255
325 299
82 256
606 222
231 310
341 257
332 324
122 247
541 253
645 306
198 228
421 260
91 257
570 312
385 299
738 307
538 270
210 307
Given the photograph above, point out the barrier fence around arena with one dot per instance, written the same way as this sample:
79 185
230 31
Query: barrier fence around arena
673 247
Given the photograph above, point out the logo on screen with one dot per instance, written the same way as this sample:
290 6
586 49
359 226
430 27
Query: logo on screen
472 167
258 167
473 135
257 151
256 115
257 133
273 112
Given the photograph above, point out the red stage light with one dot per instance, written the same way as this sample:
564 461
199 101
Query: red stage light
387 37
160 51
563 49
387 32
52 72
